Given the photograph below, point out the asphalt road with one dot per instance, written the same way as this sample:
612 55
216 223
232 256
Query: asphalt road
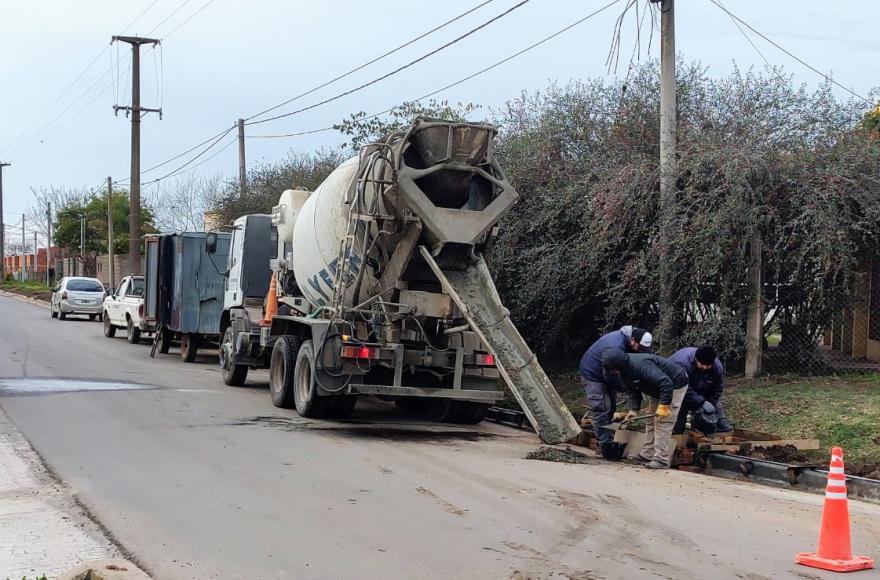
198 480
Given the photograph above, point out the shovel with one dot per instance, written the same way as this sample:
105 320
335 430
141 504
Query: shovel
623 424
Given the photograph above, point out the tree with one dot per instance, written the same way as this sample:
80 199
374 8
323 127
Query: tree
580 251
93 207
364 129
180 206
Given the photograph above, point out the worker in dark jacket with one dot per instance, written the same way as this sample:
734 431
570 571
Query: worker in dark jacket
663 384
703 397
601 394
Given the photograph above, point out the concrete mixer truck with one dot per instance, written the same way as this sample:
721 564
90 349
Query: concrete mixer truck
382 289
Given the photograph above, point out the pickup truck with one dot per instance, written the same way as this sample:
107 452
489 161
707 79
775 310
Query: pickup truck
124 309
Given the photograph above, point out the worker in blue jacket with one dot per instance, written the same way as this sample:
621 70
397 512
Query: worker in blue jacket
602 392
705 386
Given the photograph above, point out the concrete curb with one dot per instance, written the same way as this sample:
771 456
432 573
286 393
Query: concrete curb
23 298
114 569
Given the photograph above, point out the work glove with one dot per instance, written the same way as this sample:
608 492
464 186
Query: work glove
630 415
708 407
663 411
619 416
613 451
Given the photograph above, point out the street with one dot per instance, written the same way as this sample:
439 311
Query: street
194 479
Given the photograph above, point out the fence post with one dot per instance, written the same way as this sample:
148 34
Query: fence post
755 322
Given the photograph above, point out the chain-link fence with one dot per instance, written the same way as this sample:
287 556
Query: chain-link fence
838 334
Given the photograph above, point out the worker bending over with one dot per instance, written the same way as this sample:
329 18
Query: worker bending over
602 394
703 397
663 384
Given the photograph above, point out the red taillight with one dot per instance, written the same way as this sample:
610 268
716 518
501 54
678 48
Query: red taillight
64 295
360 352
486 360
141 310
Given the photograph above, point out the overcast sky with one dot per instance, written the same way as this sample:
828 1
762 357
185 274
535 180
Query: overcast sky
235 58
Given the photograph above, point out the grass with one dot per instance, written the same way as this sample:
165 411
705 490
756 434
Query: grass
24 286
837 410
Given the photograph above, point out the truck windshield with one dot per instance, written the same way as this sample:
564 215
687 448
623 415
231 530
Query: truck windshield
85 286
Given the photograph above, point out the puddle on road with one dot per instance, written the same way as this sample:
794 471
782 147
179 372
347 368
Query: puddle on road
50 386
416 433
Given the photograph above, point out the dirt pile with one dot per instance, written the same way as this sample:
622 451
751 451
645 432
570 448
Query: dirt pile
779 453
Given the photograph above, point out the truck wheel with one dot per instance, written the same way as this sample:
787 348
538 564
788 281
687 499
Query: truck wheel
189 347
308 403
282 368
164 339
233 375
473 412
109 329
133 333
445 410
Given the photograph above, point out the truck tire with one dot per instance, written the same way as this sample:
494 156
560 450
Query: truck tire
164 338
133 333
109 329
473 412
282 369
308 403
233 375
446 410
189 347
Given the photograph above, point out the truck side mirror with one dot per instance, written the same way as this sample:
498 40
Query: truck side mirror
211 242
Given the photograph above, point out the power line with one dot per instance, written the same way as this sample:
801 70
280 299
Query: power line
202 152
463 80
397 70
790 54
191 16
74 81
167 18
368 63
746 36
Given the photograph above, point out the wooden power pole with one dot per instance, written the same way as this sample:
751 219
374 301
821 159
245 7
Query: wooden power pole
135 110
242 166
2 228
110 231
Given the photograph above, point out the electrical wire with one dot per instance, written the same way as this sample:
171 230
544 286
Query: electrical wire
789 53
375 60
190 17
462 80
188 163
138 17
167 18
397 70
747 37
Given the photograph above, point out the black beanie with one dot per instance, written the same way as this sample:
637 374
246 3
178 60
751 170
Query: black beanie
706 355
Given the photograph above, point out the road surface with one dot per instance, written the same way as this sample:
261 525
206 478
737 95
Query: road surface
194 479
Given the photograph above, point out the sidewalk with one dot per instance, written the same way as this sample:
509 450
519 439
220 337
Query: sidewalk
42 529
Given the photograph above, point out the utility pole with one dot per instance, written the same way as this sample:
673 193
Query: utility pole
48 241
134 212
82 236
668 314
110 231
2 228
242 166
23 268
34 267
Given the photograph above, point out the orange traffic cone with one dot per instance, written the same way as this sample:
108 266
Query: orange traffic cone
835 548
271 303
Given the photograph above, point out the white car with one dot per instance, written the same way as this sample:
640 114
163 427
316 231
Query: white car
124 309
77 295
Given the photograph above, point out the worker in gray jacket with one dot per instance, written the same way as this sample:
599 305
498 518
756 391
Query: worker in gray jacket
663 384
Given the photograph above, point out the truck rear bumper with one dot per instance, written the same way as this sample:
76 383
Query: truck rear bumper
460 394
